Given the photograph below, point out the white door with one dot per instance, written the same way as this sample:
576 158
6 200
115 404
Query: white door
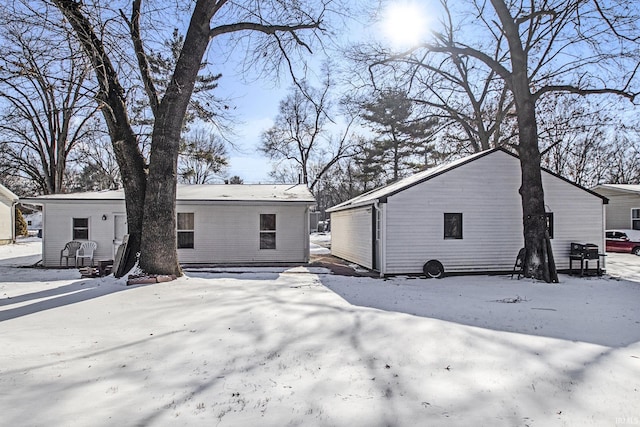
119 230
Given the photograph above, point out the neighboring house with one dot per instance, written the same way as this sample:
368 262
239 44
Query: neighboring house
8 201
215 223
466 214
623 210
34 221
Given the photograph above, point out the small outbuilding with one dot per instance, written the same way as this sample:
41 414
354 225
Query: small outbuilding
216 224
623 210
8 201
467 215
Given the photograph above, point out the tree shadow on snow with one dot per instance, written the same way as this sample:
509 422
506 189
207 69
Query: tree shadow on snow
21 261
82 290
601 311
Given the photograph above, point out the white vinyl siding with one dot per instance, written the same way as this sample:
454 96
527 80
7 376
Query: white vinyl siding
577 217
486 192
58 227
492 225
351 235
619 209
6 223
223 233
231 234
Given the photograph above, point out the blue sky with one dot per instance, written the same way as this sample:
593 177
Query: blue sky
256 106
256 103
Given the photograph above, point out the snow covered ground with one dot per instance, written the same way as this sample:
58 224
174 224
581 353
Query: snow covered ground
300 347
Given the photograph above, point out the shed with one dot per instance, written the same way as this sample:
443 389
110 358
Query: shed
466 214
623 210
216 224
8 201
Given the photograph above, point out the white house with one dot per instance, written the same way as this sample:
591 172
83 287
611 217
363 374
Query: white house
215 223
34 221
466 214
623 210
7 215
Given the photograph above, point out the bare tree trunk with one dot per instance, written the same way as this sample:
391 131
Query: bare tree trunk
533 211
537 257
151 200
158 245
124 141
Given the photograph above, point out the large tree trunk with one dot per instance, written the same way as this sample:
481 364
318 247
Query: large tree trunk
537 258
536 263
158 253
124 140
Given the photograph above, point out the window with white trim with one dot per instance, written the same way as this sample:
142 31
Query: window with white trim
80 229
186 234
635 218
267 231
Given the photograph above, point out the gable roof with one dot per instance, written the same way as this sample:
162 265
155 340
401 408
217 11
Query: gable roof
203 193
623 188
380 194
8 194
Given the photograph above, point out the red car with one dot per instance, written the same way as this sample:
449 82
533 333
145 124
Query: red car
627 241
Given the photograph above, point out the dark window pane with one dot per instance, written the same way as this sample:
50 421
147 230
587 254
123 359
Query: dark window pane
80 229
267 222
80 222
185 239
453 226
549 218
267 240
185 221
80 234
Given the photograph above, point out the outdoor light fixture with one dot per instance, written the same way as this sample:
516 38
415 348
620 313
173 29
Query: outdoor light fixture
104 217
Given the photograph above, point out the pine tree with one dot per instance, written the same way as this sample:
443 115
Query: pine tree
21 224
403 142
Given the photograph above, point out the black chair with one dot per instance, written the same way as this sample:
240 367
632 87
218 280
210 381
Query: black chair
518 267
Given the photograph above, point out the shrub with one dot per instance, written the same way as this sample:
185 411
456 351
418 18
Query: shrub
21 224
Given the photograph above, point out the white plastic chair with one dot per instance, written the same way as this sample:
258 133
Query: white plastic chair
86 251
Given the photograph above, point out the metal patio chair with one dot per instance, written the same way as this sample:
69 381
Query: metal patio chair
518 267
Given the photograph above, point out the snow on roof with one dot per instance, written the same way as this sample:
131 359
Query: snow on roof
206 192
8 194
390 189
627 188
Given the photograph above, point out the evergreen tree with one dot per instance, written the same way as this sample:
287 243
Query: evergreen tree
234 180
403 142
21 224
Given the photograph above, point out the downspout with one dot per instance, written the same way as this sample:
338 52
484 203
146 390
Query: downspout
307 232
378 226
603 240
14 203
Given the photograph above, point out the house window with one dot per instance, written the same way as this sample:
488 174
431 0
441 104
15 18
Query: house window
549 219
267 231
453 226
635 218
185 231
80 228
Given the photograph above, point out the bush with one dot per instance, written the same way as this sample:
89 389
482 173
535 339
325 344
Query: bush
21 224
